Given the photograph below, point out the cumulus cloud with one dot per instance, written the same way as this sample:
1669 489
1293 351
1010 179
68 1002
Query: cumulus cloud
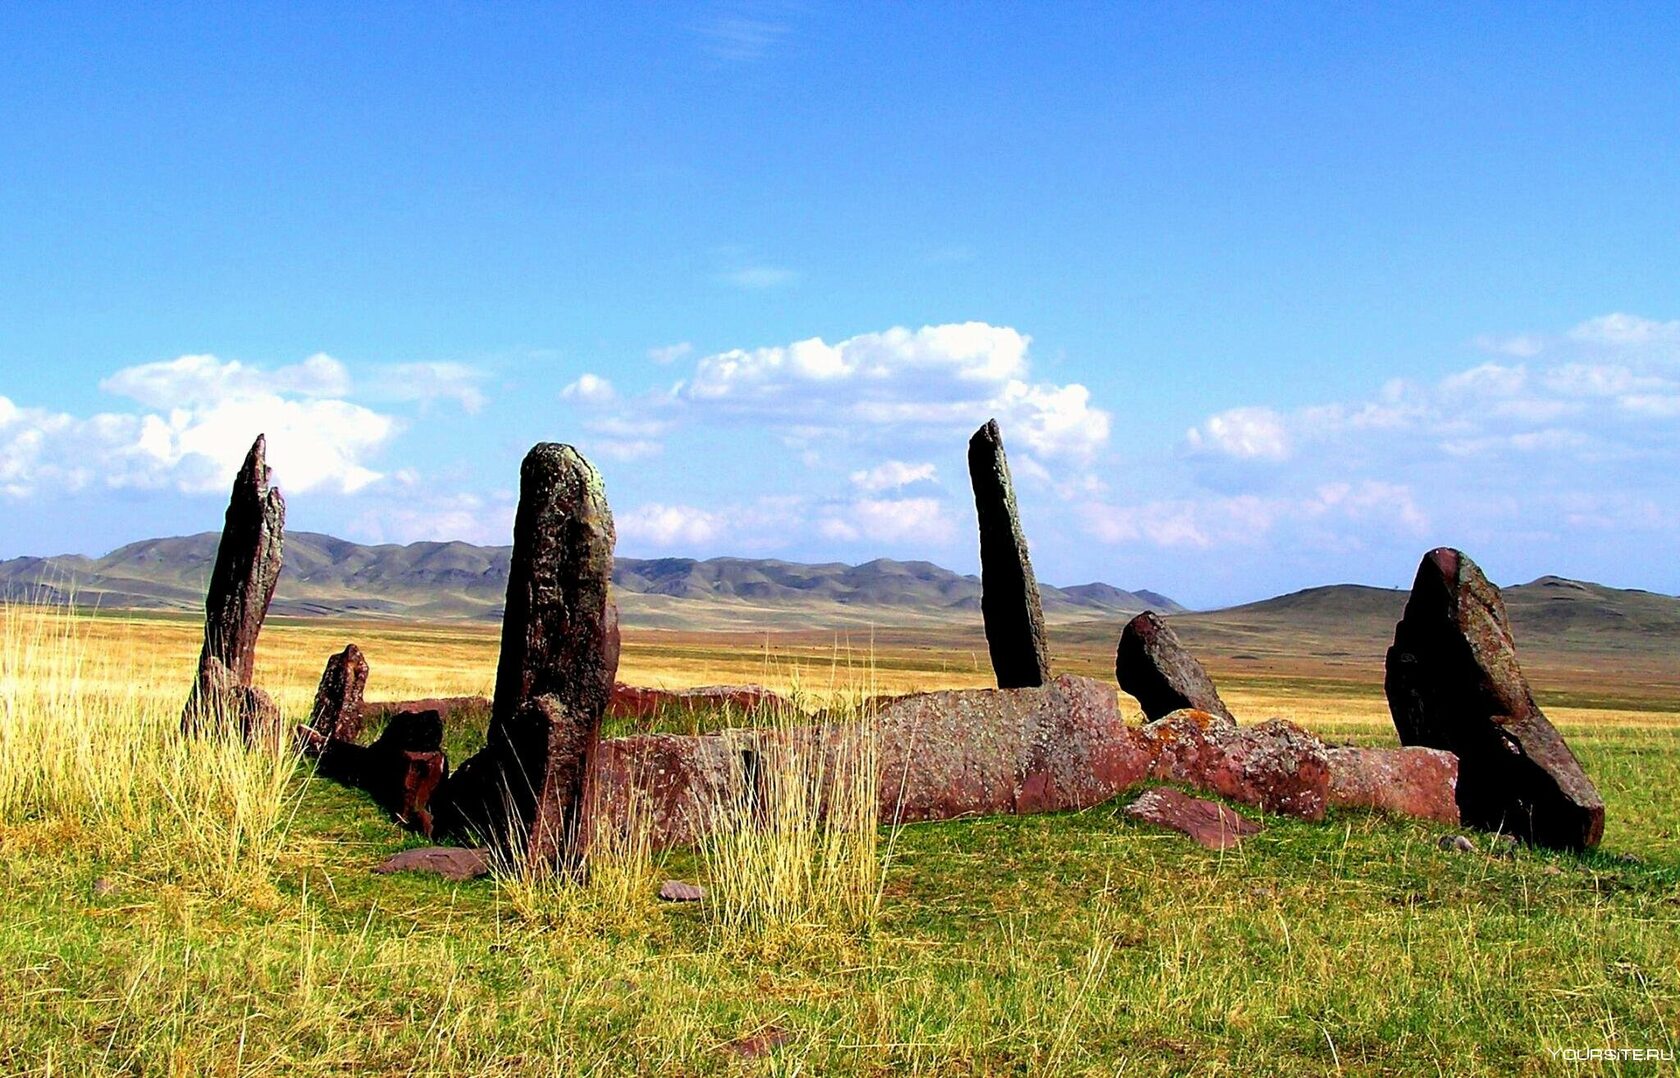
204 414
670 353
589 389
666 526
892 475
934 382
918 521
1242 434
425 383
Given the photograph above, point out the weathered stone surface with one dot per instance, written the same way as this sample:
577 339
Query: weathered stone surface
554 678
1276 766
670 784
679 891
1153 666
1453 683
1009 600
636 702
338 698
241 587
981 751
455 863
1208 823
446 706
1411 781
401 770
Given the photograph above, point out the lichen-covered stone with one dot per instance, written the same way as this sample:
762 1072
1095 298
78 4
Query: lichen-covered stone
1208 823
1410 781
338 699
1454 683
1154 667
241 588
1276 766
636 702
524 792
1009 599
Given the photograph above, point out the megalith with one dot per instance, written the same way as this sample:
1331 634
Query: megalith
241 587
1009 601
1453 683
523 793
1153 666
338 710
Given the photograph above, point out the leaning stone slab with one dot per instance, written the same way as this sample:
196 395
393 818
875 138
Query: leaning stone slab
241 587
1276 766
1009 599
1411 781
524 791
453 863
1453 683
1208 823
337 713
1154 667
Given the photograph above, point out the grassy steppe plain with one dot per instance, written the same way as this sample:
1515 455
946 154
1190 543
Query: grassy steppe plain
139 935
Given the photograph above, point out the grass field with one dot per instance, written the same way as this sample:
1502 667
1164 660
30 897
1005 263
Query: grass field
151 930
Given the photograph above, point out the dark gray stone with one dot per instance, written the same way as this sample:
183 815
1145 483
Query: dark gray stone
338 707
1009 600
1153 666
1453 683
241 587
524 792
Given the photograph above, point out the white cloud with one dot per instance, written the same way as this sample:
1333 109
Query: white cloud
892 475
208 411
670 353
428 382
590 389
666 526
1243 434
1325 517
1626 330
921 521
743 32
937 382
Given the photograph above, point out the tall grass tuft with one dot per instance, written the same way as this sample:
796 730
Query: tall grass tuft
88 743
794 845
615 894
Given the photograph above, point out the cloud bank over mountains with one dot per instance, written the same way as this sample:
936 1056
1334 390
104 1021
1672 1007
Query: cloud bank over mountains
854 448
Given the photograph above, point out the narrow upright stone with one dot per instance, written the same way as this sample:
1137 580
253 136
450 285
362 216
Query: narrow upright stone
241 588
338 710
1154 667
554 678
1453 683
1009 600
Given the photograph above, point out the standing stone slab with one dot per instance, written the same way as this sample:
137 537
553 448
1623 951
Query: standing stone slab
1009 600
554 678
1453 683
241 588
1153 666
338 710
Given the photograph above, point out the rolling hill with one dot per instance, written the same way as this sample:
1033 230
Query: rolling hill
325 576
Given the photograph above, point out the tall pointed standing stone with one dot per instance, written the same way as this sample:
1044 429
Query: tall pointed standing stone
1453 683
241 588
1009 600
555 675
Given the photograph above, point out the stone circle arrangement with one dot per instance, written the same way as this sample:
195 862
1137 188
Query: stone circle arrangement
1476 750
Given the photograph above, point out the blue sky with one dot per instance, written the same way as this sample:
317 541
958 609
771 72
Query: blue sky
1263 296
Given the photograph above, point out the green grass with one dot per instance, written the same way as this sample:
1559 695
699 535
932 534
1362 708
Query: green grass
1074 943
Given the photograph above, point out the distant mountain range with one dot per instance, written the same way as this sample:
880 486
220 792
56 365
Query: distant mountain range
324 576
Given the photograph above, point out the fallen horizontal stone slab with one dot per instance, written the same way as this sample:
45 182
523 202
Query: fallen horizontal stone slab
638 702
446 706
454 863
1408 781
1206 822
1276 766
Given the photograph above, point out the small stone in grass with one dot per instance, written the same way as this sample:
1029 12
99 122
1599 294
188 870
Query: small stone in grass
104 885
760 1044
678 891
453 863
1456 843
